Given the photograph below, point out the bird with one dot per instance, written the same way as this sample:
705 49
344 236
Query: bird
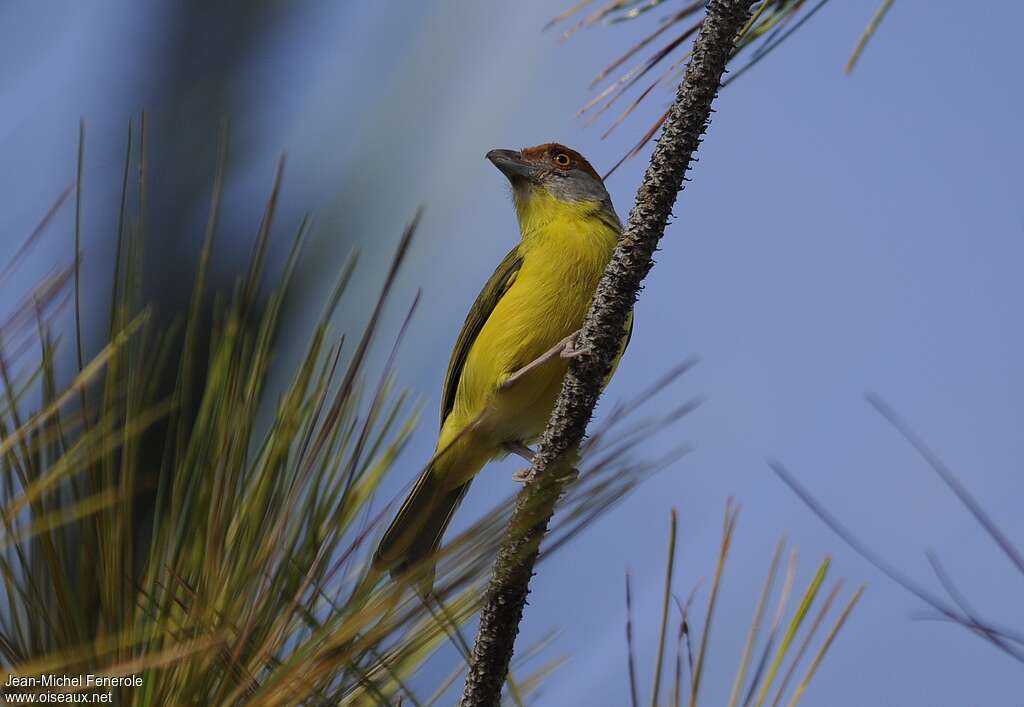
508 362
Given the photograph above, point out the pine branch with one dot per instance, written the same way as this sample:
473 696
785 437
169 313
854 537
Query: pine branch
602 332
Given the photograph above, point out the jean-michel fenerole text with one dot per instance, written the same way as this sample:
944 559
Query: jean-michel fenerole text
86 681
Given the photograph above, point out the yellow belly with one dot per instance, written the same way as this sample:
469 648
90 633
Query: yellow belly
547 302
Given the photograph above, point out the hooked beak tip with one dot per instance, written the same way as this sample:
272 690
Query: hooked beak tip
510 162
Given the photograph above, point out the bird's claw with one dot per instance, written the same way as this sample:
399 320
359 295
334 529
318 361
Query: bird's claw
569 349
522 476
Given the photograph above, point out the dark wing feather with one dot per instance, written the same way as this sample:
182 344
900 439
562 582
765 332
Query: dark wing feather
486 301
629 334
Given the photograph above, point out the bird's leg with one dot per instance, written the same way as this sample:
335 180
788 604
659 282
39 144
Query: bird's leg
520 450
566 348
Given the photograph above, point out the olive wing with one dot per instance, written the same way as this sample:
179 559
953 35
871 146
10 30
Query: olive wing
497 285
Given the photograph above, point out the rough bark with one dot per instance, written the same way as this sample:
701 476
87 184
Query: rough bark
602 332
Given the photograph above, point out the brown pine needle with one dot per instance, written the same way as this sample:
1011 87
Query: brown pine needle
729 526
755 626
818 619
869 32
794 626
630 649
819 656
656 690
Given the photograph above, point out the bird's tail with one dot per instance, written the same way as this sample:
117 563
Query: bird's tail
415 533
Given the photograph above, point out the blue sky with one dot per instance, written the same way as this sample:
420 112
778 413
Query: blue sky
841 234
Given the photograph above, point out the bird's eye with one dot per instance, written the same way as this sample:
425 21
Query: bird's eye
562 159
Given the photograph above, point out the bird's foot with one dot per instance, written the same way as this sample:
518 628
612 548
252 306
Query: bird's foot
521 450
523 475
569 349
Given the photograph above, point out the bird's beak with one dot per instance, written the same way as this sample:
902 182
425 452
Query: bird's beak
511 163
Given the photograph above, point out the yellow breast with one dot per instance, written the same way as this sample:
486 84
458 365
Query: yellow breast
565 249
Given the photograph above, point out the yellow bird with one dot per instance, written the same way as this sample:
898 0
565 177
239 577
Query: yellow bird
511 355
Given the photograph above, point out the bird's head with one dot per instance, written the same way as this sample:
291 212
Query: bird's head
552 173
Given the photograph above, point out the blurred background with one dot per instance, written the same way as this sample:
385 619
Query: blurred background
841 234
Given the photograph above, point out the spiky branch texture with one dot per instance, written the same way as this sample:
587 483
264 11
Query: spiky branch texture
602 332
